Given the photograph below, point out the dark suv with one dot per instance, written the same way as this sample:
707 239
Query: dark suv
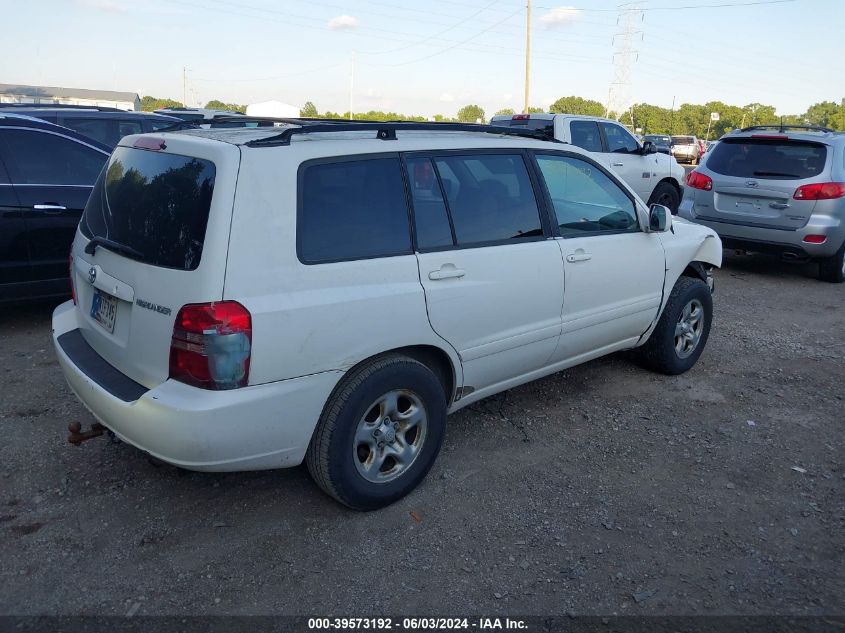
105 125
46 176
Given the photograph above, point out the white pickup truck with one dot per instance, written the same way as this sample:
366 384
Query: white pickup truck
655 177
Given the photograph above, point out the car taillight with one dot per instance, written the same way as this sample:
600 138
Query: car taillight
70 270
820 191
697 180
211 345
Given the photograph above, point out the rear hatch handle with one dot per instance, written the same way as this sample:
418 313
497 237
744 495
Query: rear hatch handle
117 247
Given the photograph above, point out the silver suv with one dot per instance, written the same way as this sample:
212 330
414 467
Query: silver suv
778 189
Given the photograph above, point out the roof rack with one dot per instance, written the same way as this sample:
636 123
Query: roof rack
783 127
60 106
385 130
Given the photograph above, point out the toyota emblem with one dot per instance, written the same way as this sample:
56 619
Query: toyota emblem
92 275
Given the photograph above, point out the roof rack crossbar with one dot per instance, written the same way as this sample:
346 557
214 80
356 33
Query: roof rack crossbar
782 127
386 130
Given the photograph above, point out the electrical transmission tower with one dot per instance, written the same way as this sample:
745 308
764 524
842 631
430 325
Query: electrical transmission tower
624 55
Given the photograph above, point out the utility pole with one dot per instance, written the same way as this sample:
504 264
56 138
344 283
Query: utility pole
527 55
351 83
184 86
672 118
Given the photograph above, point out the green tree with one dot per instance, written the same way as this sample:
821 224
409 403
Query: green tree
309 110
535 110
505 112
577 105
471 113
216 104
148 103
825 114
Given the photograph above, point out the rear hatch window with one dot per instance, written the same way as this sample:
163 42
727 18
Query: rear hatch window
156 204
682 140
544 125
767 159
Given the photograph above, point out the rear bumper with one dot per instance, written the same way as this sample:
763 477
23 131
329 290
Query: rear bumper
755 238
253 428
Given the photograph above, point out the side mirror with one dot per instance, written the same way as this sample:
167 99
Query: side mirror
659 218
649 148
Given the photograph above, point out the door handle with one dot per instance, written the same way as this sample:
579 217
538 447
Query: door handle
617 164
447 271
579 257
49 207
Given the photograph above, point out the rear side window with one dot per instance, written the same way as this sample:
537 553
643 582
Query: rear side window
353 209
585 134
767 159
155 203
430 215
41 158
106 131
490 198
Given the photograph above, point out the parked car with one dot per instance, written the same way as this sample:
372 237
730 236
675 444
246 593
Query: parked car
104 125
663 142
702 148
215 118
775 189
686 149
654 177
46 175
259 297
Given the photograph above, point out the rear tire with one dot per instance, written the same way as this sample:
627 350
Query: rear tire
379 433
666 194
682 331
832 269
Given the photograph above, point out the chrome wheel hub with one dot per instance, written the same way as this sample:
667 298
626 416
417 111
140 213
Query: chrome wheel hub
689 328
389 436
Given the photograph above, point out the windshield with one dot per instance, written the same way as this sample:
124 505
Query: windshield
771 159
154 203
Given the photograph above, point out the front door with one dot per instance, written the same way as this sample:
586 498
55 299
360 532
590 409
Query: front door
626 160
614 271
52 176
14 255
493 280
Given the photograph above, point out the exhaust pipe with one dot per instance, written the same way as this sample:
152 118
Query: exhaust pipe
789 256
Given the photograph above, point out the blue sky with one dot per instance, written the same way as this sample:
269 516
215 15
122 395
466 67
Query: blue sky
427 57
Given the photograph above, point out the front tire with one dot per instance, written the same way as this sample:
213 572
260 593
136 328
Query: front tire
666 194
379 433
682 331
832 269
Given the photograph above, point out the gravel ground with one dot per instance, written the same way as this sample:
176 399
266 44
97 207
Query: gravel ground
599 490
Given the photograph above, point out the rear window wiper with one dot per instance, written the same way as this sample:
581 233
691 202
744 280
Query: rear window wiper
775 173
117 247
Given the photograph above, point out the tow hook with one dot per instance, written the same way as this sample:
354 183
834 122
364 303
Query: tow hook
77 435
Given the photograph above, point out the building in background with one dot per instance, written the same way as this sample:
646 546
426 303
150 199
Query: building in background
16 93
272 109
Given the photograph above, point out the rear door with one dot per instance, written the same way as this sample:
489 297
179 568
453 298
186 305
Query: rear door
493 281
52 176
167 210
755 178
614 272
107 130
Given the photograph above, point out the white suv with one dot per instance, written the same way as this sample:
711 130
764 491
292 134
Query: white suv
654 176
328 292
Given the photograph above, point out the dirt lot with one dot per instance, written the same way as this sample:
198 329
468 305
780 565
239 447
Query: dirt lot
603 489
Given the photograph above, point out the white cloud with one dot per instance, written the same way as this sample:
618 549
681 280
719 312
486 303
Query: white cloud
447 98
343 23
108 6
560 16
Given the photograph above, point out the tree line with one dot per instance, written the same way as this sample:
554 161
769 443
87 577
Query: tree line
644 118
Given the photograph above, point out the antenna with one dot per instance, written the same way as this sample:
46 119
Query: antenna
624 55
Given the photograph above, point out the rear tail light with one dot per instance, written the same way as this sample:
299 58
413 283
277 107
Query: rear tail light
697 180
211 345
70 271
820 191
815 239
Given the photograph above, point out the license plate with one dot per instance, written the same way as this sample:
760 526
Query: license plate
104 310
